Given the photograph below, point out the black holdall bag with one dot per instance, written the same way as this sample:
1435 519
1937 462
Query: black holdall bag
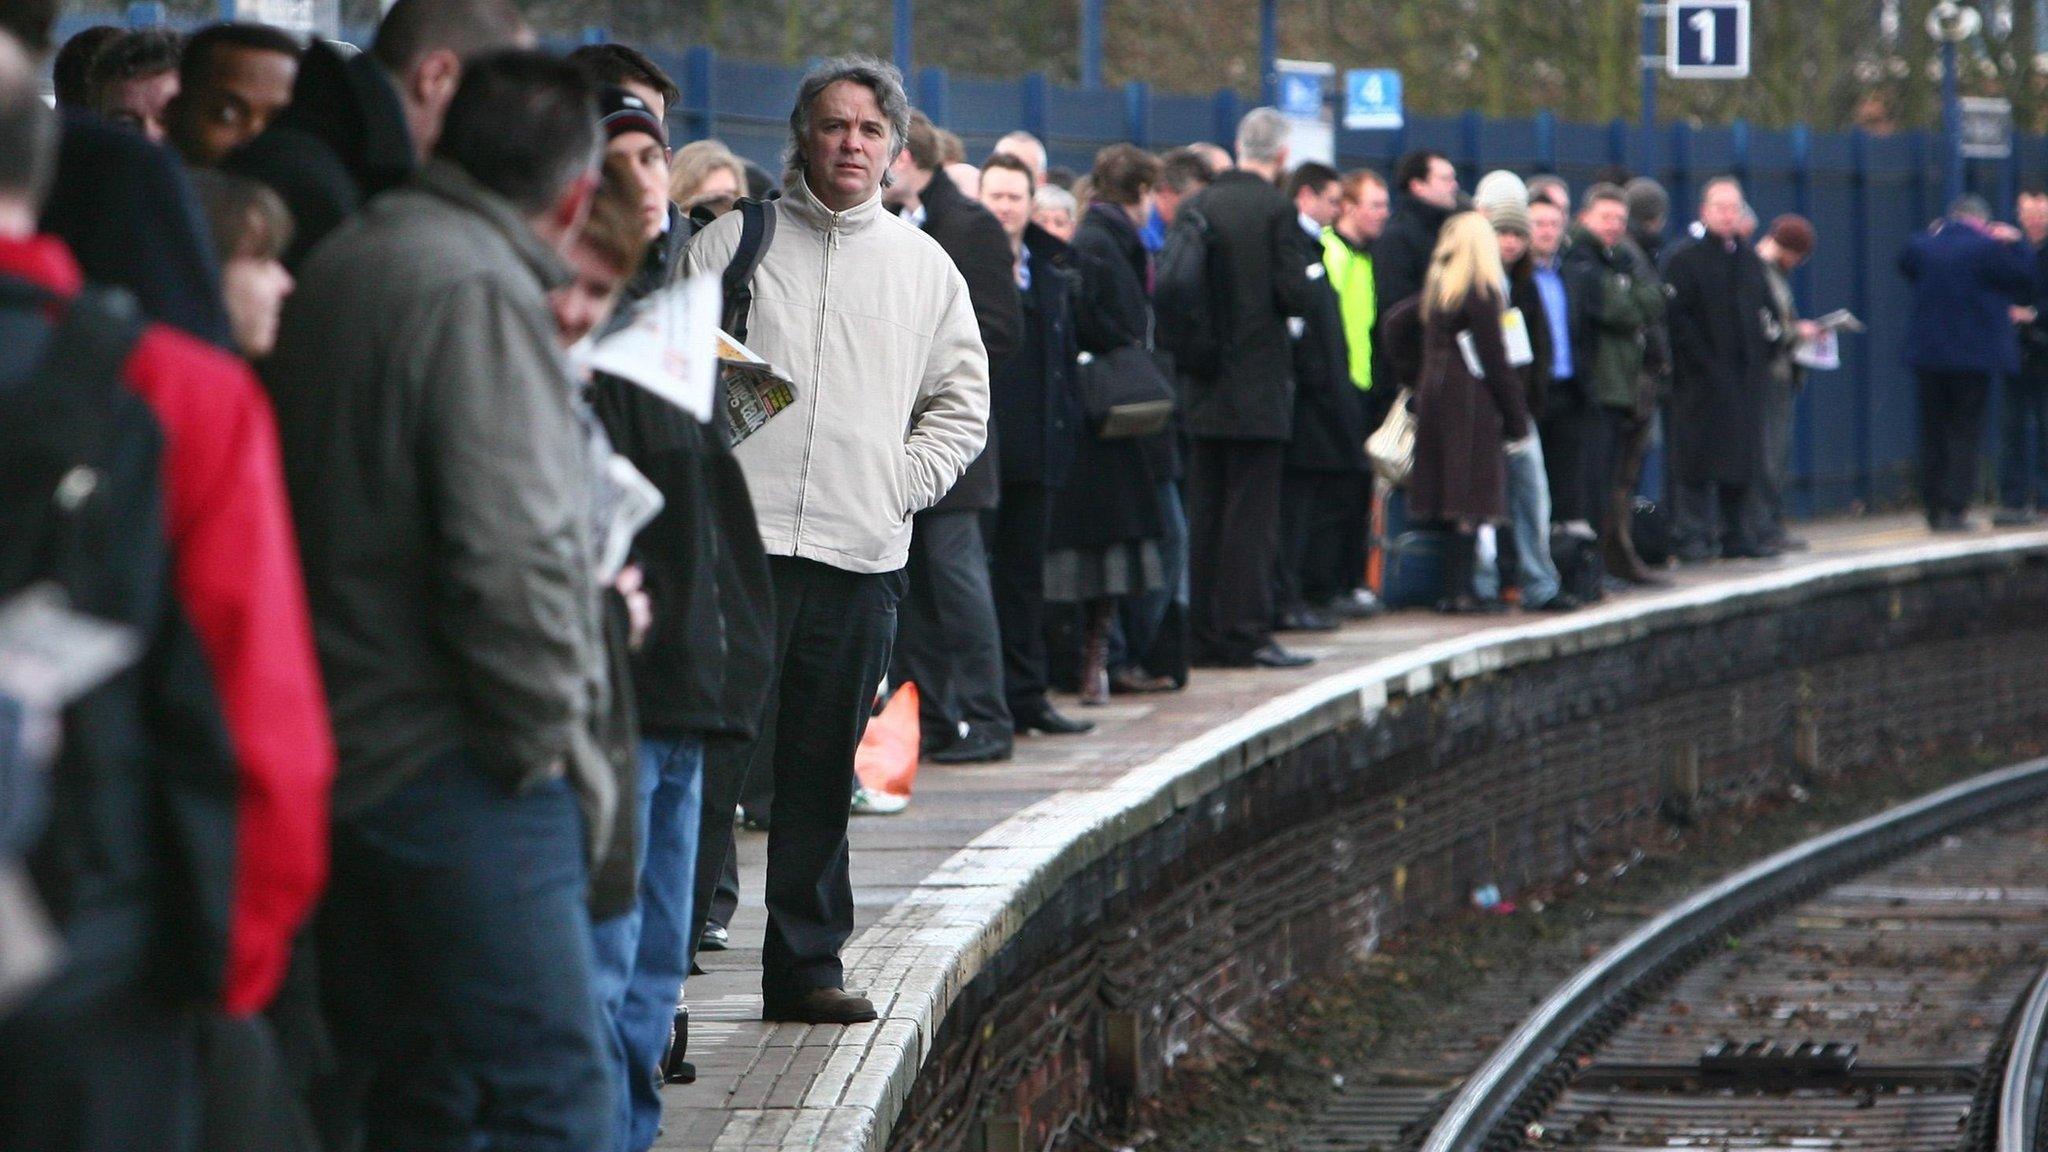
1126 392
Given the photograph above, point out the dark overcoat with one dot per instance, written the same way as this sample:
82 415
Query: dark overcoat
1034 398
1251 394
1111 494
1720 317
1329 420
1462 421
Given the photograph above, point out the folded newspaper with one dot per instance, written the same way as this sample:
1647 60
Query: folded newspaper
754 391
674 349
1823 353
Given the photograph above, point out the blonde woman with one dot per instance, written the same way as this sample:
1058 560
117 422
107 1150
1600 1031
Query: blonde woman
1466 421
706 174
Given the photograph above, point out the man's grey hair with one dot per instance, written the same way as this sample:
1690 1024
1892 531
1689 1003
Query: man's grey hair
1261 136
877 76
1969 207
1021 138
1053 198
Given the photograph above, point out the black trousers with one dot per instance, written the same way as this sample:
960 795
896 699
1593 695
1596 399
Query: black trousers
947 640
1576 459
1324 521
833 632
120 1075
717 890
1017 530
1951 426
1233 542
1712 519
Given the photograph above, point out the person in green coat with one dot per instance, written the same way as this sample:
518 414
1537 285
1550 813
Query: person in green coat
1614 303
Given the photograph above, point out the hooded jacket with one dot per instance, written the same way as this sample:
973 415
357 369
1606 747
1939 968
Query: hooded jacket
342 140
873 323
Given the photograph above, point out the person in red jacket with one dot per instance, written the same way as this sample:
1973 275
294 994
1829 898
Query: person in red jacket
236 567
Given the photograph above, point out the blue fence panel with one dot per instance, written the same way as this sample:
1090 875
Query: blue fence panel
982 111
1898 205
1827 467
1079 122
1180 119
1507 144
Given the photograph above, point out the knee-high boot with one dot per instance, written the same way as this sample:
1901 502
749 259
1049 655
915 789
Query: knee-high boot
1095 653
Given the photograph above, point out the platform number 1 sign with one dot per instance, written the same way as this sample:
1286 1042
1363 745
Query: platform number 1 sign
1706 39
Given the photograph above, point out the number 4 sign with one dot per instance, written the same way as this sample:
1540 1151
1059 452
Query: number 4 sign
1706 39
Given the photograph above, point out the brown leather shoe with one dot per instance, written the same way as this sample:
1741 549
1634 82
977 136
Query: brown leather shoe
818 1006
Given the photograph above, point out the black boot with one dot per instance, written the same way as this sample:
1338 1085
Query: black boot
1459 563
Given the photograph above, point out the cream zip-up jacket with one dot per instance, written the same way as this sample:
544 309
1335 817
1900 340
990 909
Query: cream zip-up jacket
870 319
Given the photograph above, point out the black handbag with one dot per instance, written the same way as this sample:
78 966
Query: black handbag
1127 393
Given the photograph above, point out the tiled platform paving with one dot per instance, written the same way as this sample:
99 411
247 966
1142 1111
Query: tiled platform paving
938 888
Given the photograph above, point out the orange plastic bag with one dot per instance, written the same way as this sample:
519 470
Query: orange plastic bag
887 758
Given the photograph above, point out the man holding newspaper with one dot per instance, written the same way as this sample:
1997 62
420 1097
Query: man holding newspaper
891 405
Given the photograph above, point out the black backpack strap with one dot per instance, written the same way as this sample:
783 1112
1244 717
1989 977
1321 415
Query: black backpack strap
757 231
56 427
93 341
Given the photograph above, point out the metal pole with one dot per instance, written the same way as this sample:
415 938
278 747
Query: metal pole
1091 43
1269 49
1653 59
903 31
1951 127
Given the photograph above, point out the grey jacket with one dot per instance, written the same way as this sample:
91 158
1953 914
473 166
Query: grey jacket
871 320
440 482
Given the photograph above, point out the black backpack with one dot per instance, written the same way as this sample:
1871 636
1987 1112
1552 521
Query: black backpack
56 445
1191 295
56 437
148 752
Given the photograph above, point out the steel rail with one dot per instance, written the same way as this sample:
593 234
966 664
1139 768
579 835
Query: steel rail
2026 1070
1486 1112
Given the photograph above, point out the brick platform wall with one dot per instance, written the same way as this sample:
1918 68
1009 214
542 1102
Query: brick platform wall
1299 866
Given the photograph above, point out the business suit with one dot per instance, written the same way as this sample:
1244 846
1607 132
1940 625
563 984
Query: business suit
1240 418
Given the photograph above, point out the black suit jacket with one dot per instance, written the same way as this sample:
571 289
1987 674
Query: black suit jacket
1251 397
971 236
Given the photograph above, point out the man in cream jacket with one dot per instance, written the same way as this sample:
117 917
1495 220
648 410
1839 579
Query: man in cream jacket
872 321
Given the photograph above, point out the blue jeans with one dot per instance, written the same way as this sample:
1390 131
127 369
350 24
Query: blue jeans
1131 640
641 955
1529 510
455 970
2023 482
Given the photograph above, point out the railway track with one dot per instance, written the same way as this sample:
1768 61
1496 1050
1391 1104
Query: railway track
1883 987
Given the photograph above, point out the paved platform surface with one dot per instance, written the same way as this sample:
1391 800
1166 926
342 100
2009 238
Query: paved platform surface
795 1086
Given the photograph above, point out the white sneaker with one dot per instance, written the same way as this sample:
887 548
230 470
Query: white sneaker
867 803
